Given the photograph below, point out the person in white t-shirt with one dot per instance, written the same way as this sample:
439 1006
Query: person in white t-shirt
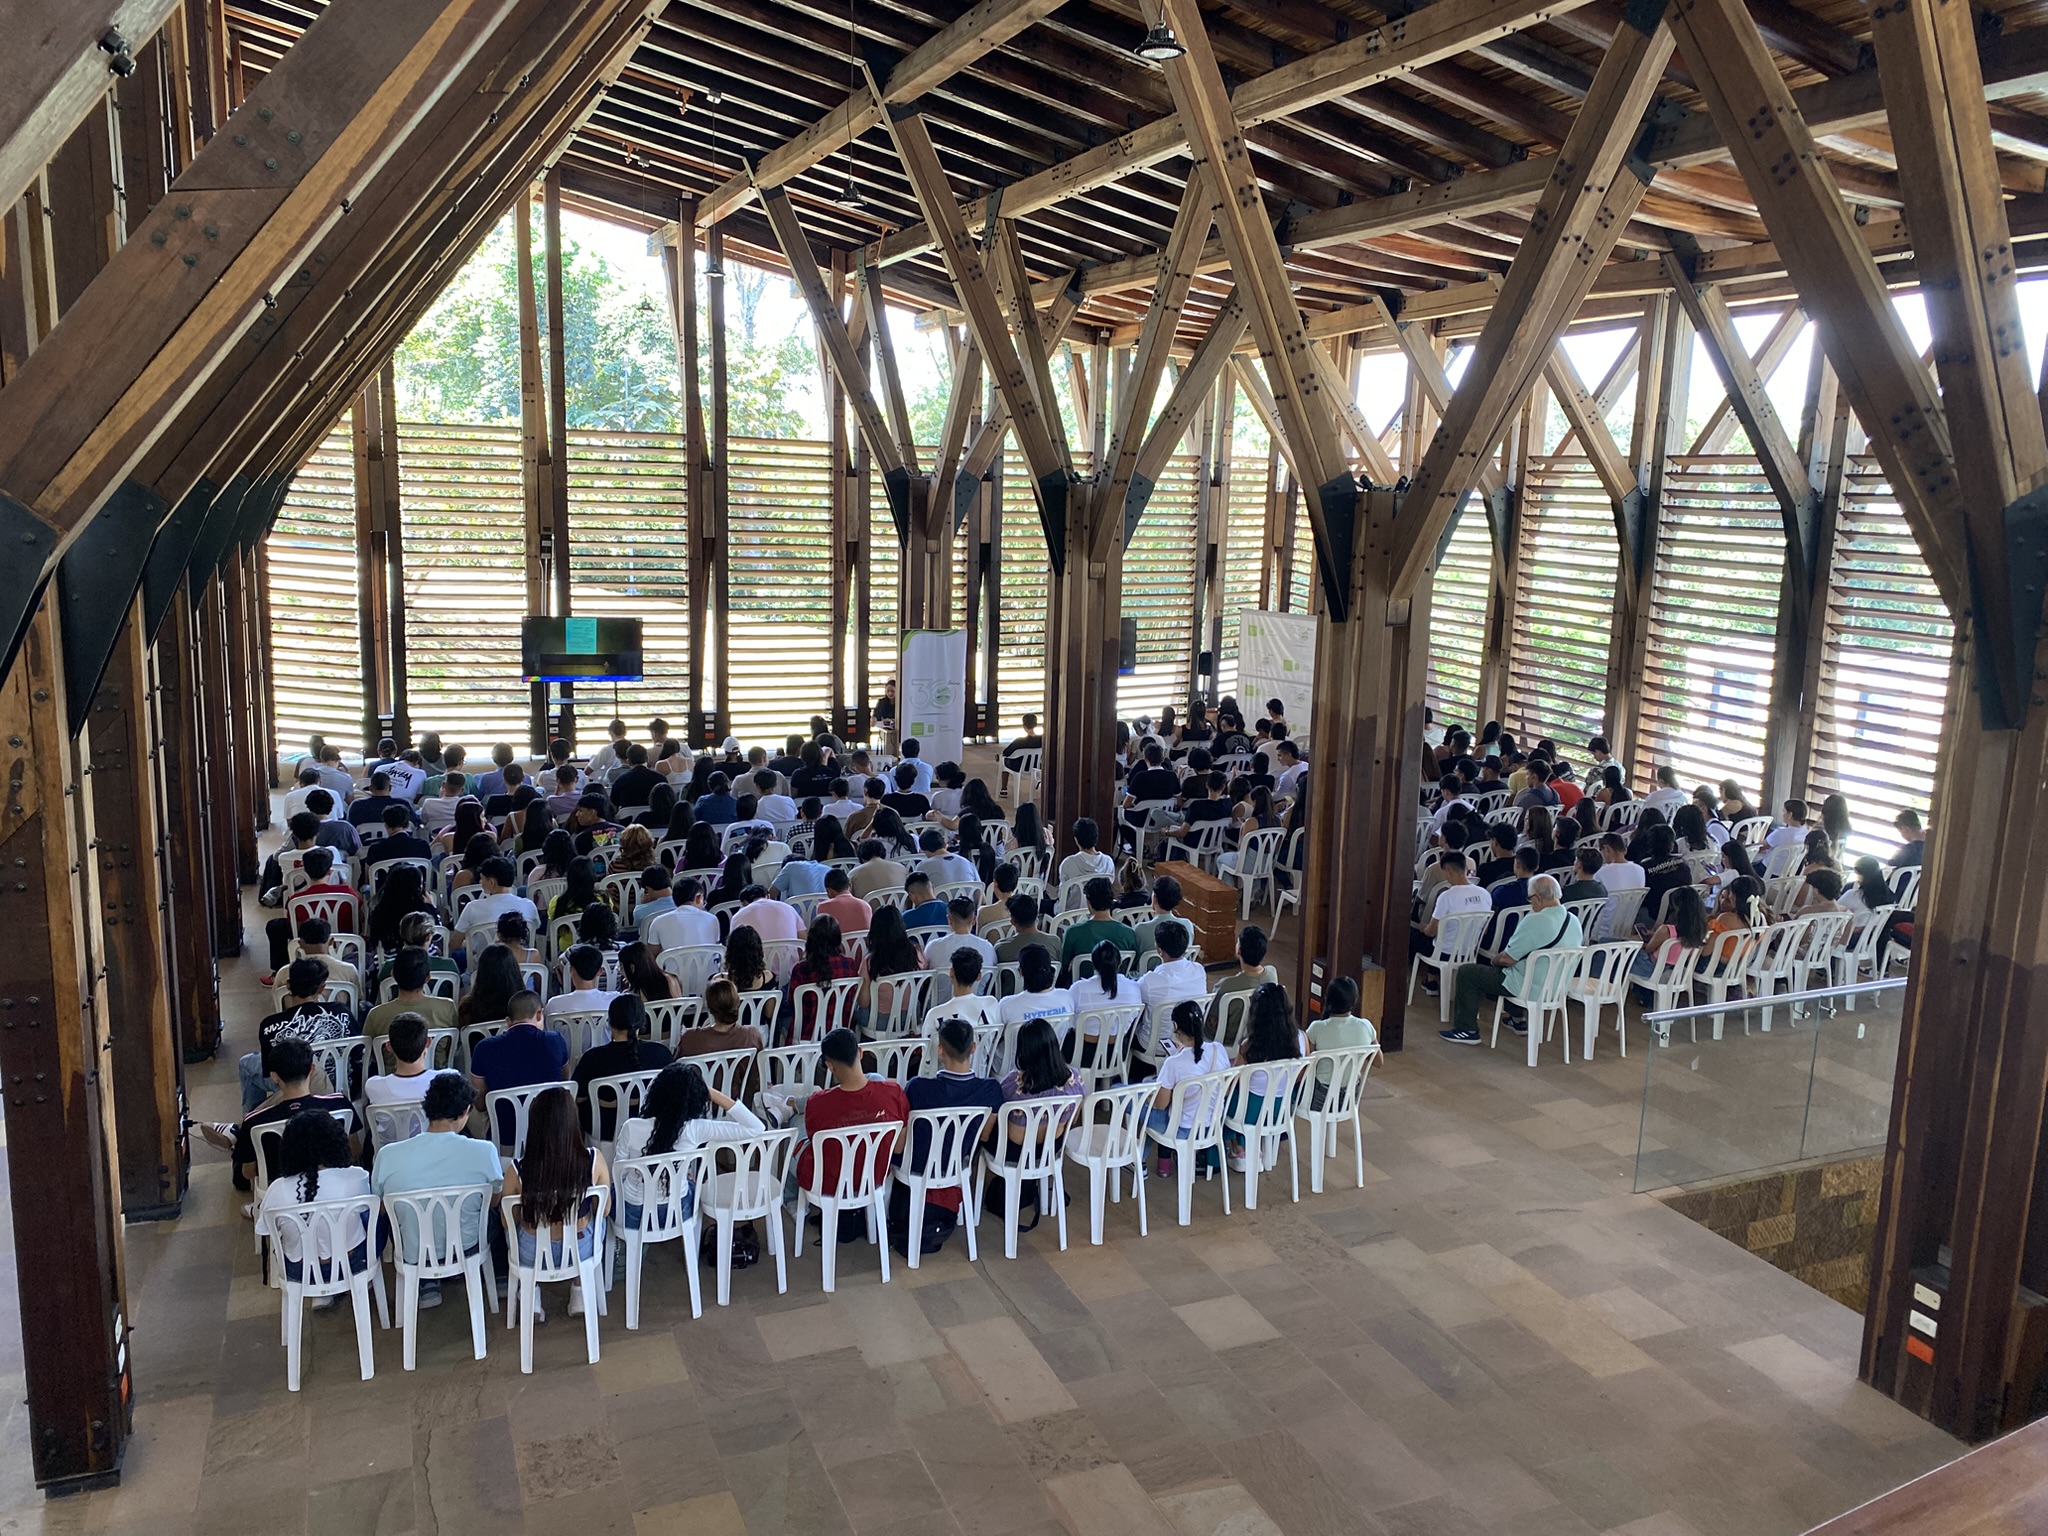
842 804
1174 980
964 971
498 877
1087 861
1193 1055
1456 894
308 781
412 1067
1040 999
1791 830
437 812
776 921
688 923
940 866
769 805
1667 796
585 994
960 913
1453 795
1618 872
317 1164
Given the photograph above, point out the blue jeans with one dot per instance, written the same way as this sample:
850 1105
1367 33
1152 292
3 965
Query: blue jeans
358 1261
254 1089
586 1245
629 1211
1155 1120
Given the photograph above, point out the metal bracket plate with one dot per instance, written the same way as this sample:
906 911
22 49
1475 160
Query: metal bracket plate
1340 501
170 554
218 531
2026 576
96 584
28 543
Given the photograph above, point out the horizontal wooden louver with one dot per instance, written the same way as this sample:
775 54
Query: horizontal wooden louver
1565 567
779 528
1884 665
316 661
1244 535
1026 593
1159 592
1713 623
629 558
465 582
1457 620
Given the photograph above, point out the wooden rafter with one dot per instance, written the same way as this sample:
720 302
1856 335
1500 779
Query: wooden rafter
868 287
1013 284
961 405
1350 419
1043 453
1765 361
1308 418
995 423
1825 252
1428 371
1592 194
1581 410
54 70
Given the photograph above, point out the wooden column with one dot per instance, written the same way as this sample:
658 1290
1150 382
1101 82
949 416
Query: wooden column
188 876
679 262
240 734
380 585
718 491
555 515
143 1055
217 759
59 1101
845 546
536 462
1081 662
263 655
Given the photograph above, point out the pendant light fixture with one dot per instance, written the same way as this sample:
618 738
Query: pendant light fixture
1160 45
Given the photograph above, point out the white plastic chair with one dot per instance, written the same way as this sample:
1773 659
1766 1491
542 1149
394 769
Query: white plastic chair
520 1100
1233 1012
617 1098
433 1218
1037 1156
951 1139
692 965
394 1122
758 1010
346 1061
665 1181
1545 975
751 1190
898 1060
340 1226
909 1000
1341 1093
342 911
1114 1029
819 1008
724 1071
1257 852
1457 944
1826 932
443 1051
1026 772
1670 986
792 1069
1110 1144
1751 831
1771 962
1263 1132
1721 966
1200 1100
350 947
1858 952
861 1183
1602 978
556 1257
888 896
584 1028
1201 847
1623 908
1588 910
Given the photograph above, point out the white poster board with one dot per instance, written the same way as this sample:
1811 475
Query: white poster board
932 692
1276 659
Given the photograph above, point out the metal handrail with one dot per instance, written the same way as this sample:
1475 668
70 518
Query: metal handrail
1737 1004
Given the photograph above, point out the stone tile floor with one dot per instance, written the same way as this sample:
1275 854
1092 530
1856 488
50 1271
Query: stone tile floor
1493 1334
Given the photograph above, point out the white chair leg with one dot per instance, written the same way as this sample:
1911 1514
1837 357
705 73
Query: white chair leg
912 1238
1293 1170
878 1224
1013 1197
1184 1170
828 1242
359 1294
1059 1204
970 1217
593 1293
1251 1173
1414 970
409 1312
377 1289
1357 1145
473 1282
775 1246
635 1252
1224 1170
1138 1191
529 1298
1095 1193
725 1257
294 1333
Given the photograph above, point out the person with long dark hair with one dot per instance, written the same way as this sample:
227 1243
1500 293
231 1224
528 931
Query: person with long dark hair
643 976
1042 1072
1834 820
553 1178
746 961
829 841
891 952
889 830
317 1164
1870 890
1027 831
1689 822
1269 1035
681 820
556 855
700 852
405 891
581 892
974 848
466 827
498 980
679 1113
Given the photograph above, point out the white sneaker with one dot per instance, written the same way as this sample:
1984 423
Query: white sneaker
575 1301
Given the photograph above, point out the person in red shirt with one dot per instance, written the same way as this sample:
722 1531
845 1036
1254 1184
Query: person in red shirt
850 912
1568 793
318 865
853 1099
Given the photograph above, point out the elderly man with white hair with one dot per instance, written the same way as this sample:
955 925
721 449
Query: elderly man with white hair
1502 973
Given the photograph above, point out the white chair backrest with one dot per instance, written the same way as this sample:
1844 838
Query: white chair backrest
693 965
724 1071
1587 910
858 1156
542 893
535 975
1283 1085
998 929
782 956
1206 1095
948 1138
791 1067
351 947
909 1000
1116 1136
754 1182
443 1048
1725 954
1907 883
623 892
806 905
1623 907
670 851
1545 975
663 1181
1258 851
430 1222
1672 972
1342 1073
584 1028
888 896
556 1254
325 1232
395 1122
346 1061
1071 897
1825 933
525 865
1233 1010
1043 1124
1751 831
758 1011
668 1017
1603 973
338 909
1458 936
1775 948
897 1060
518 1103
818 1009
622 1093
462 896
269 1138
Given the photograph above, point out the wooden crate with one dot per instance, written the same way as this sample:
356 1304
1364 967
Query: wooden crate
1210 904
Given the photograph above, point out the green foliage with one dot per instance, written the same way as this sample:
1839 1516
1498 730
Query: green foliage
461 362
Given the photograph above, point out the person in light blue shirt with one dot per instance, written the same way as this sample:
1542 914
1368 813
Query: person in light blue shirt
800 877
441 1157
911 755
655 896
1504 973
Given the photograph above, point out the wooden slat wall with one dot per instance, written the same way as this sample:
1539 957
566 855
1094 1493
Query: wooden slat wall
1713 623
1884 667
780 531
1020 656
1557 674
318 680
465 582
1243 533
628 558
1457 621
1159 588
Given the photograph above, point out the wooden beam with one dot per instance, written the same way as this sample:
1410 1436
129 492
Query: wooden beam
1044 455
1751 403
1350 419
1823 250
1438 31
68 1242
876 307
979 30
718 488
1765 361
987 440
962 405
1594 192
161 317
1616 478
1427 369
188 869
1162 322
55 69
1036 352
1208 116
1184 403
841 354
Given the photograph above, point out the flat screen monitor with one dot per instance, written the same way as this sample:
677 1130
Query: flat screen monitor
580 650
